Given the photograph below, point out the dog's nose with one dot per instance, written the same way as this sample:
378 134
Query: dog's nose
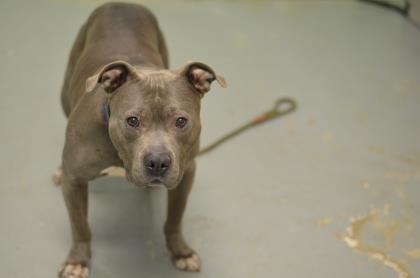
157 164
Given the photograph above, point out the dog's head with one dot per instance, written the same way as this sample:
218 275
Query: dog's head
154 120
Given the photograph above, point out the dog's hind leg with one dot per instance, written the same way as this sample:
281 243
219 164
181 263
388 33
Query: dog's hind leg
58 176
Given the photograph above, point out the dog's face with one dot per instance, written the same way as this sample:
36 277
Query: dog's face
155 117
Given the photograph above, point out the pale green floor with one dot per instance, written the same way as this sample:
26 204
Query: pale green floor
352 147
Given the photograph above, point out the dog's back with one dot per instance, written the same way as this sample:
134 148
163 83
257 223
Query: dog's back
114 31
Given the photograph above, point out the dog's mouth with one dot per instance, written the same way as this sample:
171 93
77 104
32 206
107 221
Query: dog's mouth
146 181
155 182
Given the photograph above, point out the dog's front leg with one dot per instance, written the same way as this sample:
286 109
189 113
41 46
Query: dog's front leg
76 198
182 255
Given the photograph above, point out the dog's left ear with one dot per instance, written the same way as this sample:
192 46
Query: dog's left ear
200 76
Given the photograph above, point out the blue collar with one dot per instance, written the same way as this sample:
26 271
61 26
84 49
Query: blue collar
105 112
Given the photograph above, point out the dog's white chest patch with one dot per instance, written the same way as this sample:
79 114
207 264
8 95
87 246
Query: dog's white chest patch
113 171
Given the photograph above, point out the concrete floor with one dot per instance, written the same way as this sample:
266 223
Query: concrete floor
274 202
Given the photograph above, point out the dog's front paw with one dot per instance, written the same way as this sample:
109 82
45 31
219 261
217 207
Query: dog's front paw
73 271
189 263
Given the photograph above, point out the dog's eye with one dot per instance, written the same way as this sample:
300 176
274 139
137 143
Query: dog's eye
133 121
181 122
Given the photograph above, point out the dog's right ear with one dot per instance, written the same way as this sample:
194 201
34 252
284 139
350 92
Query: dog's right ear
111 76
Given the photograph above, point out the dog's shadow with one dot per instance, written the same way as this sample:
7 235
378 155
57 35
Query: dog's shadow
127 230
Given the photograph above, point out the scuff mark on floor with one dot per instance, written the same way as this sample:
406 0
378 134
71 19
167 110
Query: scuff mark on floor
323 222
353 239
414 254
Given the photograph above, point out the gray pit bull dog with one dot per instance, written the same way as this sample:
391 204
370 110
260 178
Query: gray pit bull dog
125 108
